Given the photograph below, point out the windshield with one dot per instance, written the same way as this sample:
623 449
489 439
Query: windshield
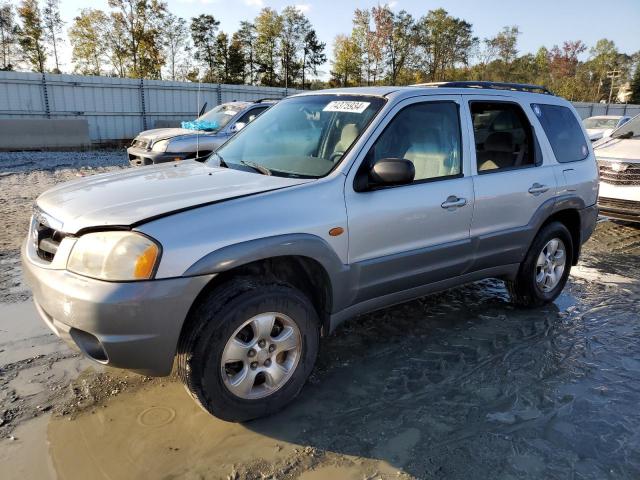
594 122
302 136
632 126
219 116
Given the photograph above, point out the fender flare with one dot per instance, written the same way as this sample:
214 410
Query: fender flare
296 244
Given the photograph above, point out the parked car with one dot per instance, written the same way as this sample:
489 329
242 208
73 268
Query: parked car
619 162
602 125
329 205
199 139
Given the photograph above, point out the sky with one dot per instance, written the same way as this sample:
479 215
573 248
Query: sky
541 22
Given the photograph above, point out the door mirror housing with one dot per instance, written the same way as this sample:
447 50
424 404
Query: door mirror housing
392 171
236 127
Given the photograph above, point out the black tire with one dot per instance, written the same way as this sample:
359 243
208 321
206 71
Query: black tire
524 290
212 323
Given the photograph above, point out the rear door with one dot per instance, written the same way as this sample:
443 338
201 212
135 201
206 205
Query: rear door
406 236
513 179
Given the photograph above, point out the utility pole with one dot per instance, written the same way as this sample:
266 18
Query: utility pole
613 75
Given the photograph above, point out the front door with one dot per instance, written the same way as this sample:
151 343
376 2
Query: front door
406 236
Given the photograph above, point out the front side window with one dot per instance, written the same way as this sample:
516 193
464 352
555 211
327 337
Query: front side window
563 131
427 134
503 136
304 136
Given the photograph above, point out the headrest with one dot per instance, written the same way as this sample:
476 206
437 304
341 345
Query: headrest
349 132
499 142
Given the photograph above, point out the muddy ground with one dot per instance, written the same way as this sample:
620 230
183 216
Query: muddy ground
457 385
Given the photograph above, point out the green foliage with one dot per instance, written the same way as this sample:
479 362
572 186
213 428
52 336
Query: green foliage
8 37
52 23
204 30
635 86
86 37
31 35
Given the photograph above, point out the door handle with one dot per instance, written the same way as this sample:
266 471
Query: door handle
537 189
453 202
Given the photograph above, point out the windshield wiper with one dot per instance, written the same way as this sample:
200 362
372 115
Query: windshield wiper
257 167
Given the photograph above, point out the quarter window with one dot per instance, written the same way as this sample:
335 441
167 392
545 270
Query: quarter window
503 136
427 134
563 131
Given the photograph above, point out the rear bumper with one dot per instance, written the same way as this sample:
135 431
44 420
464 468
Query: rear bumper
139 156
131 325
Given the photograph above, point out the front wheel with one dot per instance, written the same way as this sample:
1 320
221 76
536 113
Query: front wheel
248 348
545 269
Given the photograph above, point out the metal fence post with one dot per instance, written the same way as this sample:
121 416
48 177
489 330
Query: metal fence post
219 93
143 107
45 95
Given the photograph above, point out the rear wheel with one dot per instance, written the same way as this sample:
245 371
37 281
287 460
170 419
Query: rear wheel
248 348
545 269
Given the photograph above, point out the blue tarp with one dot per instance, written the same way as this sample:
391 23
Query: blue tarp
200 125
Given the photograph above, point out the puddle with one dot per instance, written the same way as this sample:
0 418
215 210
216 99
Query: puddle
457 385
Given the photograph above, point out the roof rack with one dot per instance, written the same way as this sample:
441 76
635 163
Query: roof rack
262 100
516 87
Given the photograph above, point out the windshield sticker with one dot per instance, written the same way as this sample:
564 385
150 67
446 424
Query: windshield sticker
346 106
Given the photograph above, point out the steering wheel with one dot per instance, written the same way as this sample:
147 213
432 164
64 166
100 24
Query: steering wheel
335 156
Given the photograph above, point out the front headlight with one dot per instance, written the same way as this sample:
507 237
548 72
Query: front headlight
114 256
160 146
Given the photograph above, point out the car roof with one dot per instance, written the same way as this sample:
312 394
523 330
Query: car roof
399 93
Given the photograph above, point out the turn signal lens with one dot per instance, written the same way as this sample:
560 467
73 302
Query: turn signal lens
145 263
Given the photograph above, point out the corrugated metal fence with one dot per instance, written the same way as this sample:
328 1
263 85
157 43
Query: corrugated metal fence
116 108
591 109
119 108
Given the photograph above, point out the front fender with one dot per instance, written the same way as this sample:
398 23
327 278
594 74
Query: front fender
298 244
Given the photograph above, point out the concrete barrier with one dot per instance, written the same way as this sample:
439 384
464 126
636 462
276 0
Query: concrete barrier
36 134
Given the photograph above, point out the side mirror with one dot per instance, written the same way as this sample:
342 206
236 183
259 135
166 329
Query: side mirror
392 171
236 127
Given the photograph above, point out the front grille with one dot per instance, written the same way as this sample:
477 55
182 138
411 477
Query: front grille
628 174
629 207
47 241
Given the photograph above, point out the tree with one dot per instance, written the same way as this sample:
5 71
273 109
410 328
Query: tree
501 51
295 27
268 30
86 36
236 60
204 30
221 59
312 55
246 36
347 61
397 35
140 24
31 35
176 43
445 41
635 86
8 34
52 22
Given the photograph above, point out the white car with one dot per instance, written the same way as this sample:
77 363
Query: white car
602 125
619 161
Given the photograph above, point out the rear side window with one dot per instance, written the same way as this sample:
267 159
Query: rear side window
563 131
503 136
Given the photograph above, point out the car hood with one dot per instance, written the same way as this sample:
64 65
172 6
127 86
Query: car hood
623 149
165 133
138 194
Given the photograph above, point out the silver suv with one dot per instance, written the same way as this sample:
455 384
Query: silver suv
196 140
329 205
